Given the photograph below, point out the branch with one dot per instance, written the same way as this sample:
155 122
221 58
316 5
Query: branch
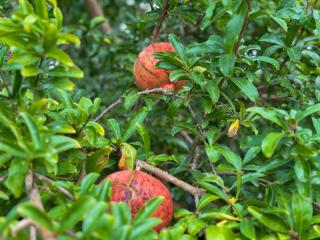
51 182
163 17
120 99
34 197
24 223
108 109
196 192
96 10
244 27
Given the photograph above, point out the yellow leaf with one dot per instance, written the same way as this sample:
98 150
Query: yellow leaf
233 129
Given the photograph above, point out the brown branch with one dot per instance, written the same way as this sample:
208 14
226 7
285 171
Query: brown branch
120 99
195 159
51 182
108 109
316 206
187 137
163 17
95 10
24 223
166 176
244 27
34 196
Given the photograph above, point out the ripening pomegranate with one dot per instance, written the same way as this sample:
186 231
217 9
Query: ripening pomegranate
147 76
136 188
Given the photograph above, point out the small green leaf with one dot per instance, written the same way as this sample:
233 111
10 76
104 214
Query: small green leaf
114 126
226 64
150 207
281 23
230 156
17 172
144 134
247 88
29 210
270 143
269 60
271 222
213 90
128 158
60 56
219 233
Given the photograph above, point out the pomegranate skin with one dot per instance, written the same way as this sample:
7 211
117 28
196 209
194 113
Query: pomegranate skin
146 75
136 188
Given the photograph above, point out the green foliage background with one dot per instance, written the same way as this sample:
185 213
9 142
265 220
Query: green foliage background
245 127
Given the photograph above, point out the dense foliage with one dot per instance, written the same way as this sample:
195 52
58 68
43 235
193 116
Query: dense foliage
245 127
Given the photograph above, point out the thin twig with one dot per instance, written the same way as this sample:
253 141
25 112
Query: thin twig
163 17
51 182
119 100
166 176
244 27
3 177
24 223
95 10
187 137
34 196
195 159
316 206
144 92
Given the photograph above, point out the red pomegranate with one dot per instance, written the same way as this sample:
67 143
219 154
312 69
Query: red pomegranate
147 76
136 188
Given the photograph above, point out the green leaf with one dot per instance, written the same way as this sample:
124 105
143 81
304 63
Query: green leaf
17 172
247 229
219 233
33 129
230 156
302 213
146 212
114 126
94 216
144 134
177 75
77 212
294 54
41 8
281 23
97 161
215 190
213 90
302 169
128 158
88 183
177 45
137 118
269 60
207 18
307 112
269 114
196 226
130 99
30 71
226 64
205 200
212 153
60 56
29 210
270 143
271 222
65 72
247 88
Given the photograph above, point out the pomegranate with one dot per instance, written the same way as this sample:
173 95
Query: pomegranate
147 76
136 188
